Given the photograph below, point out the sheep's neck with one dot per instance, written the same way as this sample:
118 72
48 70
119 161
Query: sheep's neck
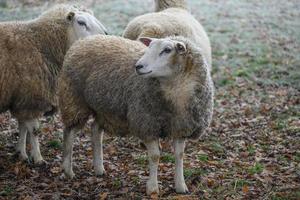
51 40
179 92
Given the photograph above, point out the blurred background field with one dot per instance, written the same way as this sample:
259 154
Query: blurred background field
253 147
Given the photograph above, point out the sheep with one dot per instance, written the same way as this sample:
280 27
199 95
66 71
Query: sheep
170 96
31 57
171 18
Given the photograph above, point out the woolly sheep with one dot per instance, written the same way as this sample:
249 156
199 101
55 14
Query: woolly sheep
169 96
171 18
31 57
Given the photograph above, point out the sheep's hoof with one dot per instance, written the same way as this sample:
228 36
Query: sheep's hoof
100 172
182 189
152 188
22 157
69 175
40 163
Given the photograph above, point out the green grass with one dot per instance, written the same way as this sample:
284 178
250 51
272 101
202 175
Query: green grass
167 158
203 157
55 144
217 148
7 190
280 124
297 157
256 169
142 160
191 172
251 150
117 183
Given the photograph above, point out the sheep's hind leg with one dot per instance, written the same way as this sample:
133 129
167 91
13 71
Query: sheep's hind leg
97 137
33 129
21 146
68 153
180 186
153 154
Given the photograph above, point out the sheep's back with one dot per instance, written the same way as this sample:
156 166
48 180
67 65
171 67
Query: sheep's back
101 68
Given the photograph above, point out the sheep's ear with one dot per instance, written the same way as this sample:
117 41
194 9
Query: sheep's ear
180 48
70 16
146 41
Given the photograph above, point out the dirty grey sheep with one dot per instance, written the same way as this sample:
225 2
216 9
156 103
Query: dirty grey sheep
170 96
31 56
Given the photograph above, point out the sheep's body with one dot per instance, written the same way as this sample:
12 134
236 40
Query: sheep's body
31 57
172 19
98 79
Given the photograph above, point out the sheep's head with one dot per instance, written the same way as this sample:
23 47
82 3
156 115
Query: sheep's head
83 24
162 58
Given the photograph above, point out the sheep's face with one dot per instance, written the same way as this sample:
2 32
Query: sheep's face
158 60
83 24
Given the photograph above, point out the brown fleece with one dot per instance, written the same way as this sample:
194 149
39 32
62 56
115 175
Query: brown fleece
31 57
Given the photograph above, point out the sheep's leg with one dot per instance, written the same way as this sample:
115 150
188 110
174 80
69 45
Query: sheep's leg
180 185
33 127
68 153
153 154
97 137
21 146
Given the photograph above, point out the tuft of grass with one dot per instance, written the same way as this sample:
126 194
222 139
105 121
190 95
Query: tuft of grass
117 183
194 172
167 158
55 144
7 190
142 160
225 81
203 157
136 180
256 169
242 73
297 157
279 125
251 150
217 148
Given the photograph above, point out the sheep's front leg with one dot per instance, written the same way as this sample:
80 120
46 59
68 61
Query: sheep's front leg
68 153
153 154
180 185
33 127
21 146
97 137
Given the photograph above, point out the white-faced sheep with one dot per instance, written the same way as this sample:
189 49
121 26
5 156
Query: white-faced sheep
169 96
171 18
31 57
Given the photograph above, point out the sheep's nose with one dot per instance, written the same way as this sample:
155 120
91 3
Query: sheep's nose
138 67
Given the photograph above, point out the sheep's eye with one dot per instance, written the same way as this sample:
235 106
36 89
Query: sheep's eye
81 23
166 50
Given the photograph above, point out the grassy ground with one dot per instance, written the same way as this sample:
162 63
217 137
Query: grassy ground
252 150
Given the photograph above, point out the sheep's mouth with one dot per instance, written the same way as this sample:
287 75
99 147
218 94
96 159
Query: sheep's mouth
141 73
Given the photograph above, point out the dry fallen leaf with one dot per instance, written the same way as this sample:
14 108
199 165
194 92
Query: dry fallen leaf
245 189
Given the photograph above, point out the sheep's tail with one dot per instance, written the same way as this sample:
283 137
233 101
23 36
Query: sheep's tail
165 4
